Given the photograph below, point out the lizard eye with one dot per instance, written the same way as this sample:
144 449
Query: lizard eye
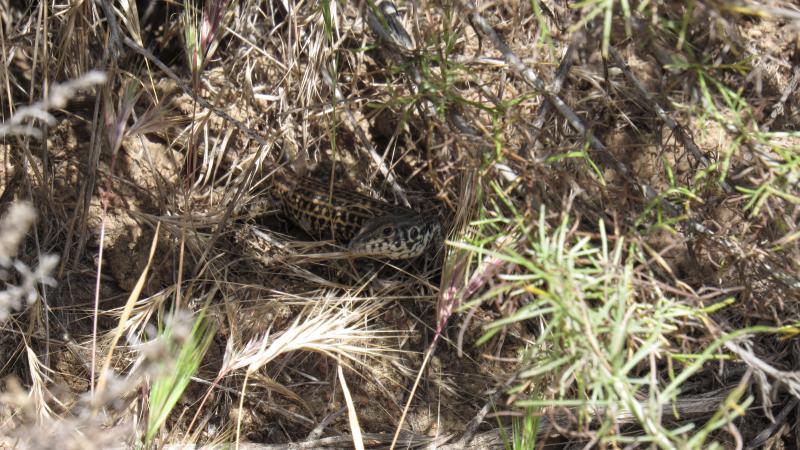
386 231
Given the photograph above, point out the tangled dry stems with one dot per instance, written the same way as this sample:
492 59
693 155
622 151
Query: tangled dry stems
647 150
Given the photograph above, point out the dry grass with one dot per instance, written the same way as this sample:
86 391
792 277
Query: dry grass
619 182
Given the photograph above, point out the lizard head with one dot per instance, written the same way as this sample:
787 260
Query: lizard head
396 236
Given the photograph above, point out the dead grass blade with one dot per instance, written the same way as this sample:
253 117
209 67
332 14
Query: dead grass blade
123 320
352 415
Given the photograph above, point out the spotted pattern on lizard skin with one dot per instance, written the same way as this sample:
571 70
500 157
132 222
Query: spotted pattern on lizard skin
349 217
399 237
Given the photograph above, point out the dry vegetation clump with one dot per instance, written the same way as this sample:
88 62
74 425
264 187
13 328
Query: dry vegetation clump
619 183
